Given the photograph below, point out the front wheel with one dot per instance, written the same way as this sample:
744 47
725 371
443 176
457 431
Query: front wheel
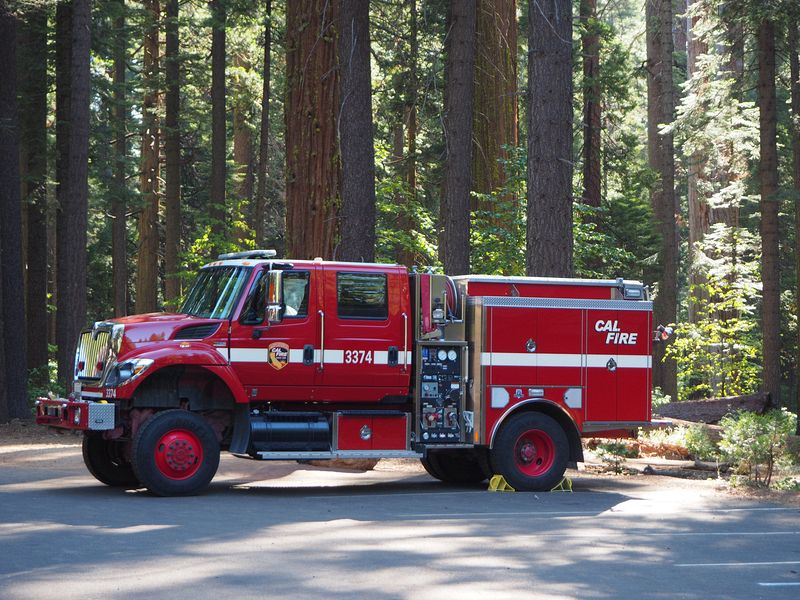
175 453
107 461
531 451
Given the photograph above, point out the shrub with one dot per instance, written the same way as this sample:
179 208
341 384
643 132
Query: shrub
757 443
699 443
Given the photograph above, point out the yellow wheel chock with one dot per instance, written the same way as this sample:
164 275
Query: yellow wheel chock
564 486
498 483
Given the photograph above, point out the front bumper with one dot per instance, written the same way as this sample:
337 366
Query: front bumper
80 415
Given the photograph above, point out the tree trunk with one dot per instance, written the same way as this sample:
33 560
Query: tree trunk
406 129
259 210
794 70
242 142
72 220
63 58
172 159
661 156
495 115
216 209
33 145
699 210
119 198
14 403
770 204
411 102
590 44
549 246
147 271
457 120
313 176
356 142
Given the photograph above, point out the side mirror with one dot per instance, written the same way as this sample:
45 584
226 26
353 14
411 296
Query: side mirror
662 334
274 296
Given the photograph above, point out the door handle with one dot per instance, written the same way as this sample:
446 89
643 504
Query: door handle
308 354
611 365
393 356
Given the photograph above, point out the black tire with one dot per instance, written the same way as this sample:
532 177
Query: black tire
531 451
457 467
175 453
107 462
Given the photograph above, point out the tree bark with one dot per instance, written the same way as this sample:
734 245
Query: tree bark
71 222
313 178
33 146
661 156
550 243
495 114
405 136
770 204
172 159
794 71
14 403
147 264
590 44
457 120
699 210
216 210
242 141
119 198
259 210
63 59
356 142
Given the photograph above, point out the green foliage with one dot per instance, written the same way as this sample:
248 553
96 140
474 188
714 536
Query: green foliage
497 235
659 398
699 443
396 205
758 443
718 354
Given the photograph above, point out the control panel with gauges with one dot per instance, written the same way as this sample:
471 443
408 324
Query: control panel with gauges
441 381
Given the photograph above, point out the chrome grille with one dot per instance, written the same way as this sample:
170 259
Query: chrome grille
93 353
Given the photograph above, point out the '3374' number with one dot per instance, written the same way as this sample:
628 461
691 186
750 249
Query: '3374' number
357 357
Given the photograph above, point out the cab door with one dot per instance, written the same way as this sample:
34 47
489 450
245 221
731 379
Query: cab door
277 361
365 325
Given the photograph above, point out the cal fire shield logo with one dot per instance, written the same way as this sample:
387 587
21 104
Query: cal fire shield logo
278 355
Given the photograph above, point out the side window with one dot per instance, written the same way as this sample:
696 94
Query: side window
254 309
362 296
295 294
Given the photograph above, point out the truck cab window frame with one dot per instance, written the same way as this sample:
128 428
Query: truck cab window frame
362 296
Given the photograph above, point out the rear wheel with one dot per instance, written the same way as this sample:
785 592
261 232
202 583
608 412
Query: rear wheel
107 462
459 467
175 453
531 451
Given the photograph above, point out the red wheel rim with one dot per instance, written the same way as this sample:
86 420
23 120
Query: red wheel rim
179 454
534 452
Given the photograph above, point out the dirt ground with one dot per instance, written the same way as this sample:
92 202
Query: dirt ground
19 435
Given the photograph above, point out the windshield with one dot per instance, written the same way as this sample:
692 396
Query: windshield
215 292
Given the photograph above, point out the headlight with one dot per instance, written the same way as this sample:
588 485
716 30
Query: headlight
127 371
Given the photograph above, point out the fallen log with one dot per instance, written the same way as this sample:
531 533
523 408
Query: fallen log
712 410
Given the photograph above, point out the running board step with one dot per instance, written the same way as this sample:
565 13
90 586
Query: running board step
268 455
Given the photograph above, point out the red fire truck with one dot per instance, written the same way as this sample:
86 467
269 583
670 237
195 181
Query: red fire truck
289 360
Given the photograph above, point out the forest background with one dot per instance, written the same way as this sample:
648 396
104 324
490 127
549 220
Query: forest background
647 139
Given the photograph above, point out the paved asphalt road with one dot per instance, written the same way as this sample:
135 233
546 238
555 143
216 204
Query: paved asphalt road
288 531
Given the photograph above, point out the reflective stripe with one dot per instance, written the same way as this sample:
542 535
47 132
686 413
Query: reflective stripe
332 356
526 359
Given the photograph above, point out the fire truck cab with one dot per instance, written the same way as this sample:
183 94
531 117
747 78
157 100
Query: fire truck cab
289 360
